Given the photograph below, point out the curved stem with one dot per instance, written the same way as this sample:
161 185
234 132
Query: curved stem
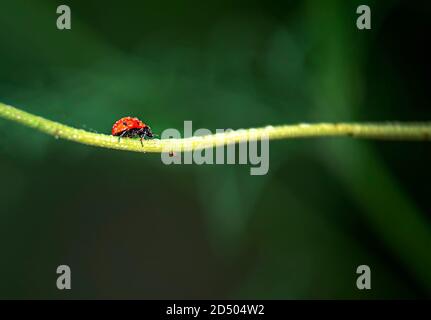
395 131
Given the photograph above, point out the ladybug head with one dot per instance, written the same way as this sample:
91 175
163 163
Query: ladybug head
145 132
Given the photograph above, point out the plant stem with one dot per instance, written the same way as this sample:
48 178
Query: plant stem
388 131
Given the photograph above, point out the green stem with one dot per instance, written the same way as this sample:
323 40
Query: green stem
394 131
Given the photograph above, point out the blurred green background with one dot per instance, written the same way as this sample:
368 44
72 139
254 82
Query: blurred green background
131 227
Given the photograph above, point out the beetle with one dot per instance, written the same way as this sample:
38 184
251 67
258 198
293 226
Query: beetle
131 127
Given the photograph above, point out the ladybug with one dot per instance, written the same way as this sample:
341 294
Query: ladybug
131 127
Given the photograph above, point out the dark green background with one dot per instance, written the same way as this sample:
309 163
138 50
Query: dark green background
131 227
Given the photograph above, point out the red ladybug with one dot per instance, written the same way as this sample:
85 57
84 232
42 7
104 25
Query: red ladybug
131 127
